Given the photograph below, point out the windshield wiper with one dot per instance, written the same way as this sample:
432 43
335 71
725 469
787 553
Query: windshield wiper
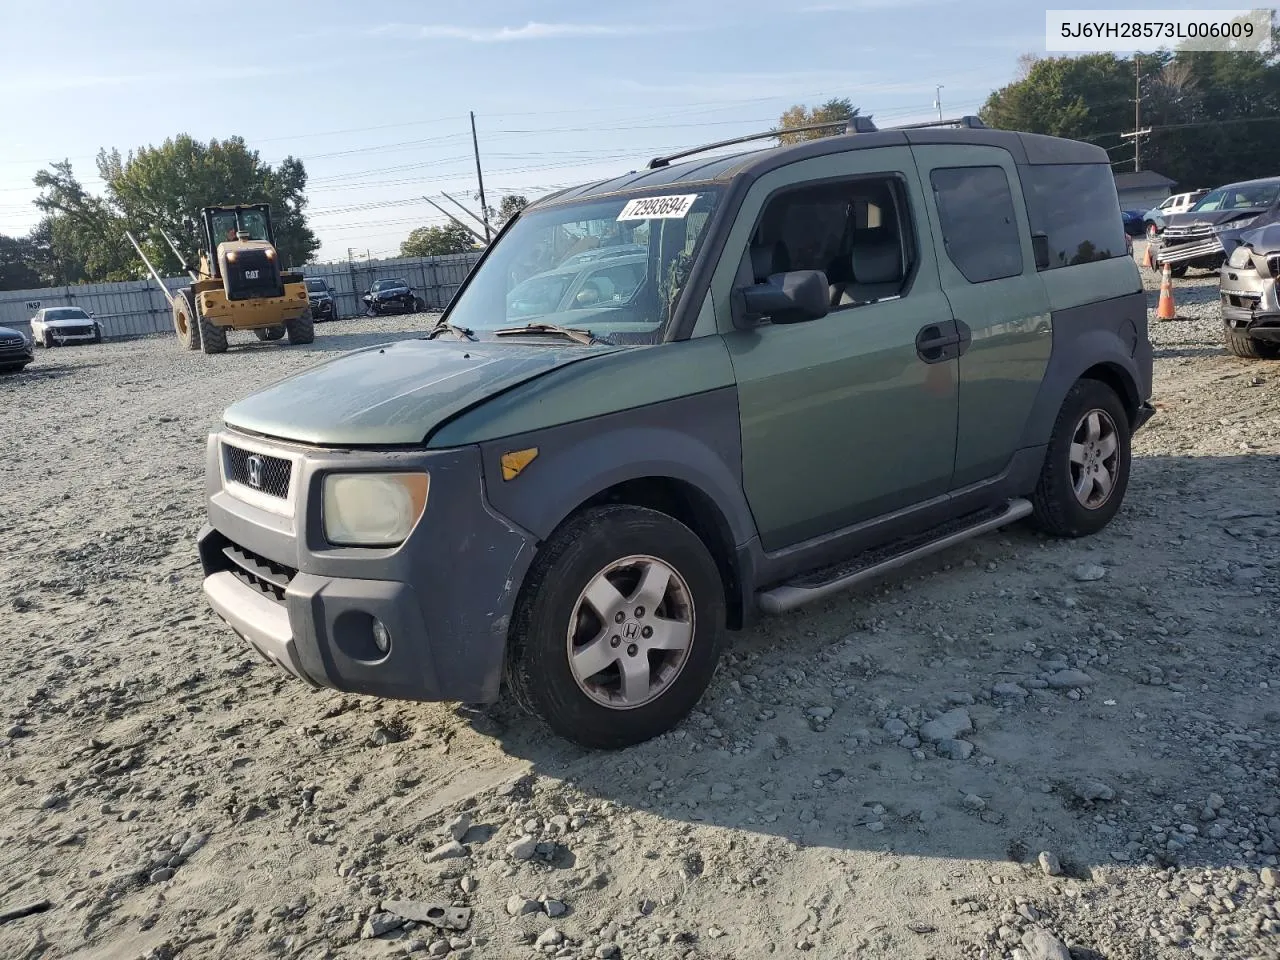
442 325
573 333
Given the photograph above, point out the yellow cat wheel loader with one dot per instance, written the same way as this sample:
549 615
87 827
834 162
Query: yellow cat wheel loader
238 283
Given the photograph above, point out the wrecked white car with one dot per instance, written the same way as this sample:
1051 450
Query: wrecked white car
58 326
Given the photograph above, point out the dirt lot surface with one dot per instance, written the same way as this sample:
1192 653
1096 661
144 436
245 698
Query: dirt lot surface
1013 746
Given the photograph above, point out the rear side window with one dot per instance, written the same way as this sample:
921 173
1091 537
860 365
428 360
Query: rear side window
979 228
1076 206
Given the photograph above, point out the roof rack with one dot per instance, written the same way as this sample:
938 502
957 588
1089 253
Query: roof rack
854 124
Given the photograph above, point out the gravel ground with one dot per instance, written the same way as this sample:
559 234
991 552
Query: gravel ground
1012 749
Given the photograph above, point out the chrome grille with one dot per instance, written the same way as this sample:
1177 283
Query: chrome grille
258 471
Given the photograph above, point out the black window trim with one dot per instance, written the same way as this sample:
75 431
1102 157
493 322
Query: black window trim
1022 259
899 185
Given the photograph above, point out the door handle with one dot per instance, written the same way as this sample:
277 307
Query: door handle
932 344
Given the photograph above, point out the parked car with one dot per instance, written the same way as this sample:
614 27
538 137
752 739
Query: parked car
58 326
1134 222
1153 219
1206 234
578 285
324 305
841 356
16 351
1247 292
392 296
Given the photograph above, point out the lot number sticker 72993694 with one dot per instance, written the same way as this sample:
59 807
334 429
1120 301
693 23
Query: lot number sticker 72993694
658 208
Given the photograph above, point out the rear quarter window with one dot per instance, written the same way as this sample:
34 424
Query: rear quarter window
1076 206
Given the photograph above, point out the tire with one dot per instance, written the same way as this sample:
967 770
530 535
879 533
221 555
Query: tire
1246 347
302 330
97 334
213 339
185 324
1058 510
419 305
539 672
48 340
1178 271
269 333
1152 230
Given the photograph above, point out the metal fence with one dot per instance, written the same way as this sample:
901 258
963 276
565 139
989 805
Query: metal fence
137 308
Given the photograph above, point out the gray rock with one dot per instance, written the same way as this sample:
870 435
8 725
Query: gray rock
458 826
1215 802
380 923
551 937
607 951
518 906
1089 572
448 851
948 726
554 908
820 713
1035 683
15 731
440 948
468 884
1066 679
1009 691
1270 877
50 801
1050 864
895 727
957 699
974 802
192 845
1040 944
523 849
1090 790
161 875
955 749
909 742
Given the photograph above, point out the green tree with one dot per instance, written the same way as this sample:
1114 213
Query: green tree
437 241
18 259
84 233
799 116
164 186
1080 97
511 204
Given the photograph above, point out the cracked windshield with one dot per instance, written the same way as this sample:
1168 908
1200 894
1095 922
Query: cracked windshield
615 267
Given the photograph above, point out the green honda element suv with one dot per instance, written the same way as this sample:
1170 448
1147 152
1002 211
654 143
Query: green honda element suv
806 366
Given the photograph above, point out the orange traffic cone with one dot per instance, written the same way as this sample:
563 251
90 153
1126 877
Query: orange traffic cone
1165 310
1147 262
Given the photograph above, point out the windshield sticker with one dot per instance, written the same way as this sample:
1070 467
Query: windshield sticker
658 208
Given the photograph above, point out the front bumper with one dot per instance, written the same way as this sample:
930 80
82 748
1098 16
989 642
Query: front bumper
1250 303
445 596
24 353
66 336
323 310
1197 251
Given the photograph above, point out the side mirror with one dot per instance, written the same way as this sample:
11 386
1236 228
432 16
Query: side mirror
1040 248
792 297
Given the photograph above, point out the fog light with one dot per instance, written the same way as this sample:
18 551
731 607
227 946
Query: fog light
381 637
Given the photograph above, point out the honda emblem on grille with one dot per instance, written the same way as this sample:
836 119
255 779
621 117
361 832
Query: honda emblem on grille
253 466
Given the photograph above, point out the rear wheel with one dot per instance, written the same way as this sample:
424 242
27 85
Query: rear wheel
301 330
184 320
1179 271
1240 344
618 630
1086 468
269 333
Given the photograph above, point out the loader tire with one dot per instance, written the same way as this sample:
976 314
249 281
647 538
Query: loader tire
185 324
301 330
213 339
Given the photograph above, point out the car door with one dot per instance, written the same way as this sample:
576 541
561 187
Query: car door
982 239
852 415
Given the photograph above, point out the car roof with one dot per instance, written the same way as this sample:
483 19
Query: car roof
1259 181
1027 148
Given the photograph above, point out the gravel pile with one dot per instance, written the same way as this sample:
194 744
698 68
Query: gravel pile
1020 748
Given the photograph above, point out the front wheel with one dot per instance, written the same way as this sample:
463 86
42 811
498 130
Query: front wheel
47 340
1086 467
617 632
1240 344
301 330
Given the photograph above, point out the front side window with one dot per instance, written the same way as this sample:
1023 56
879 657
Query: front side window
1074 205
979 227
615 266
856 231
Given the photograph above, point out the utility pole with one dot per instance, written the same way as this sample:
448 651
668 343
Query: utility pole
484 207
1138 132
937 99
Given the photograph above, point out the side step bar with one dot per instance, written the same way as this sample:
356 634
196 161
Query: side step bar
807 589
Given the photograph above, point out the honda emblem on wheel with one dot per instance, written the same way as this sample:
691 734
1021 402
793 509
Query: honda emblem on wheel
253 466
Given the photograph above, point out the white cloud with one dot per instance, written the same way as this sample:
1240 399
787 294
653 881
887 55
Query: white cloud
530 31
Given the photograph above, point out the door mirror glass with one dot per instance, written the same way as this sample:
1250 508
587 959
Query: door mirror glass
792 297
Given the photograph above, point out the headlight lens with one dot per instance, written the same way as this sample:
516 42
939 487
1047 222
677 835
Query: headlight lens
1234 224
1240 257
372 509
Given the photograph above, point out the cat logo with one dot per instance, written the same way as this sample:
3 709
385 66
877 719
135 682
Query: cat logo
251 274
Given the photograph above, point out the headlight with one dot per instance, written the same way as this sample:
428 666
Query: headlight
1234 224
1240 257
372 509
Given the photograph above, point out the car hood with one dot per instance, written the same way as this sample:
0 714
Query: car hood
1214 217
1263 240
8 332
395 393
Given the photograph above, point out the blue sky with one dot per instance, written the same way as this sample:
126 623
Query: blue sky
374 96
